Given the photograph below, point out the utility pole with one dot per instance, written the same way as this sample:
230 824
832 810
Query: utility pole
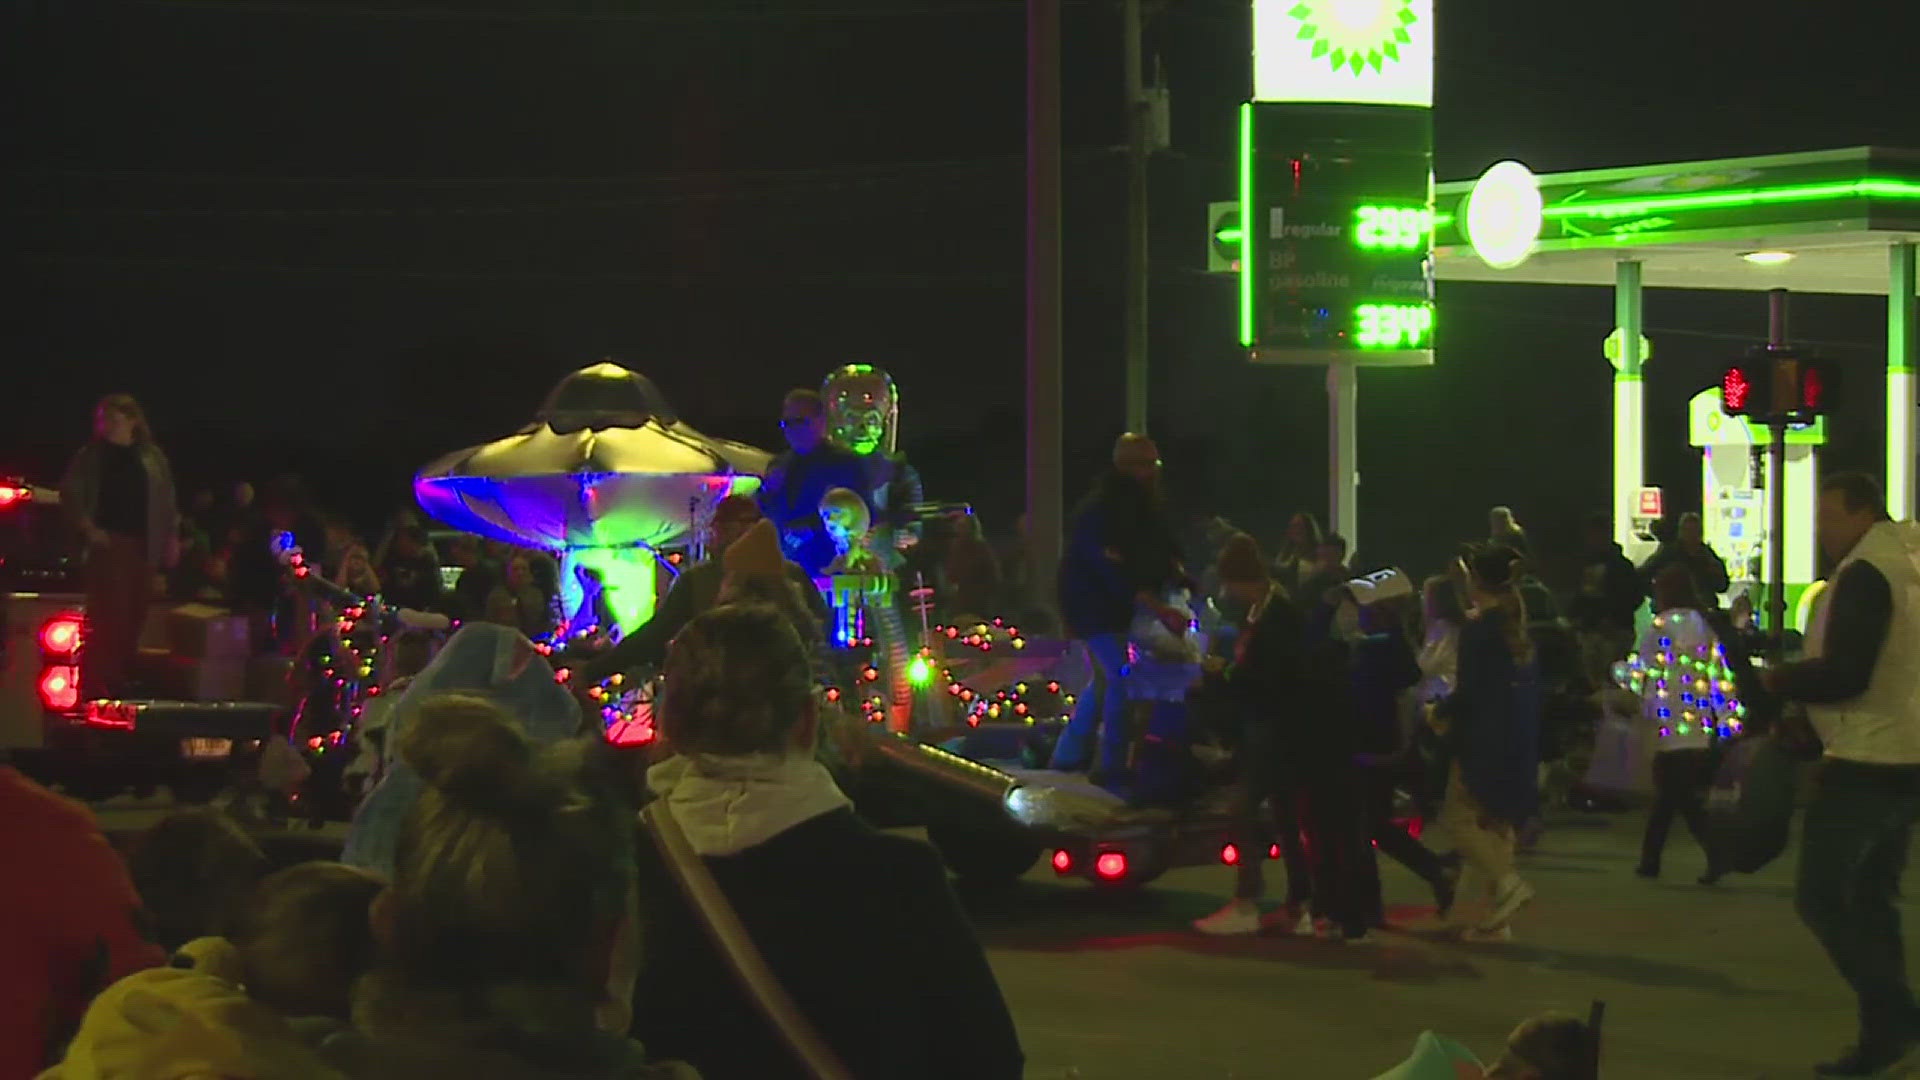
1138 154
1045 460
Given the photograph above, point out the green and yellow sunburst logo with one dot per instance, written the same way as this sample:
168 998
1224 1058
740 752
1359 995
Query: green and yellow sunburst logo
1355 34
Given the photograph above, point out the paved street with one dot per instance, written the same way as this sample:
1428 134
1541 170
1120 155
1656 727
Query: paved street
1700 984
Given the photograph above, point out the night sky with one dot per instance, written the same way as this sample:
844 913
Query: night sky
343 238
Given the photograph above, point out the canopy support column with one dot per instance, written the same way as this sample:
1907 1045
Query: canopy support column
1629 406
1900 400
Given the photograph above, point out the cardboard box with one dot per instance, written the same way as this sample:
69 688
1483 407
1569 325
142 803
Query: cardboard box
200 631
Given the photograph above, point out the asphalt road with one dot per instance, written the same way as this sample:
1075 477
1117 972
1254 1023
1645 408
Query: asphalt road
1700 983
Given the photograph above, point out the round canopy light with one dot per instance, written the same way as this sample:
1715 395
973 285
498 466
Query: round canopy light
1767 258
1504 215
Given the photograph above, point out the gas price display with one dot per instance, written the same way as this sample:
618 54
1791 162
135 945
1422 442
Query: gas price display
1337 223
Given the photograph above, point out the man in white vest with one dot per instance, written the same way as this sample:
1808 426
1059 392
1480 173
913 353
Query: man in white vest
1861 685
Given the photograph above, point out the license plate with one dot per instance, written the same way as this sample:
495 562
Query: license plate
205 749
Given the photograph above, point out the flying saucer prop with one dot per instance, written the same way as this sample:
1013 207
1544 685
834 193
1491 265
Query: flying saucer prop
605 474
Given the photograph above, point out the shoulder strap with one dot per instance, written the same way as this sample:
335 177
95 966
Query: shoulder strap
723 925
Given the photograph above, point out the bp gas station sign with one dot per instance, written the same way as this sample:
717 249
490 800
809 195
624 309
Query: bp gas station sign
1336 216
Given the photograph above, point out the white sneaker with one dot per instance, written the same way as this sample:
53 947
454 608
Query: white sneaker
1238 917
1485 935
1305 927
1512 895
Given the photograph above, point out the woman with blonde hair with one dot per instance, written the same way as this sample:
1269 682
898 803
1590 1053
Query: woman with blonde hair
119 493
503 932
860 928
1492 726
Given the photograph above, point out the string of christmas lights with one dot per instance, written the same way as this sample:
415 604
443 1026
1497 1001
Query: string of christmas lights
1682 666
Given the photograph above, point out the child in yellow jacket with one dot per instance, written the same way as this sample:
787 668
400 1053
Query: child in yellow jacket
247 1009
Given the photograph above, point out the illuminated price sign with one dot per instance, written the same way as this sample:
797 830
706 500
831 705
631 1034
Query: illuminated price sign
1392 228
1393 326
1336 234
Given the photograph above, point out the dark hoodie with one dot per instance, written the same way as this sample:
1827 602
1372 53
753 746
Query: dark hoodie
1120 543
1610 591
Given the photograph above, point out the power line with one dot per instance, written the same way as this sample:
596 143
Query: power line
762 186
432 181
340 10
744 275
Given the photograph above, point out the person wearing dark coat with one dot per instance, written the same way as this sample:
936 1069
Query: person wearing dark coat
860 928
1492 722
1384 666
1268 690
1689 546
119 494
800 476
1121 556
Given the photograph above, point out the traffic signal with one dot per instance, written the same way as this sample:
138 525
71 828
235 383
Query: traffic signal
1779 384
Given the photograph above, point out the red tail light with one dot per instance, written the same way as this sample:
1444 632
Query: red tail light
1111 865
1063 860
60 635
1273 851
1230 855
60 687
10 494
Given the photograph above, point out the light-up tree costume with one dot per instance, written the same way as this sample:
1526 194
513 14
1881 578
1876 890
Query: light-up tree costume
863 415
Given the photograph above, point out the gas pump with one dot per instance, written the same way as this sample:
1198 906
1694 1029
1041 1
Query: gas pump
1733 494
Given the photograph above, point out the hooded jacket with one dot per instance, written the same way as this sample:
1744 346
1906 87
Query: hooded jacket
861 928
188 1022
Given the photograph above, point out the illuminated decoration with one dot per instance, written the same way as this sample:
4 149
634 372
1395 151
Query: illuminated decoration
1362 52
1393 228
920 671
14 493
1062 861
605 474
1336 232
1682 678
1393 326
1110 865
1505 212
1230 855
863 408
1768 258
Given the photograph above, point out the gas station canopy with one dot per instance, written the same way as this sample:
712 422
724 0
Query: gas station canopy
1813 222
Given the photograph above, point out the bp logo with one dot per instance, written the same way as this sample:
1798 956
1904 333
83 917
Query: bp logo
1355 34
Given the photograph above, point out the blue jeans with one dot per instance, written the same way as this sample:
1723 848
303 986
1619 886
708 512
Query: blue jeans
1101 704
1853 850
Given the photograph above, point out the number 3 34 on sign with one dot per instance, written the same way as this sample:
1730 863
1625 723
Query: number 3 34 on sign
1392 326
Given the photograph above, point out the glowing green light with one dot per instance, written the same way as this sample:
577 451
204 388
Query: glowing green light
1720 200
1392 228
1355 34
920 671
1247 269
1392 326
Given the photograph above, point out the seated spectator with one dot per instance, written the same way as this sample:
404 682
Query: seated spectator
845 916
250 1008
69 922
193 869
479 574
480 660
502 929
